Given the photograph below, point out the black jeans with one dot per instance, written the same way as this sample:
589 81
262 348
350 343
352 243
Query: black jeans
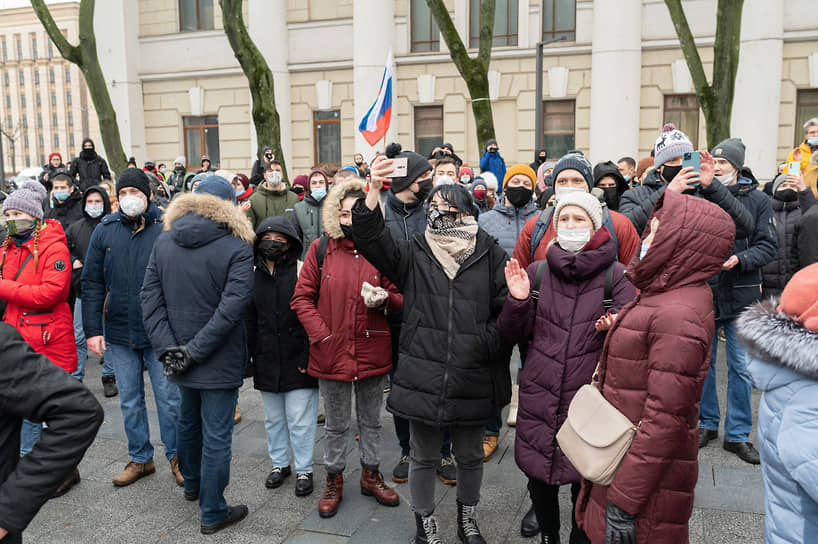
544 498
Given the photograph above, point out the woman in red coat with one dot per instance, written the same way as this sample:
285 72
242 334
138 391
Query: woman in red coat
35 276
652 369
342 304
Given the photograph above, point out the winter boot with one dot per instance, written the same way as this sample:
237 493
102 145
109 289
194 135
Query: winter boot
109 388
372 486
467 530
331 499
426 530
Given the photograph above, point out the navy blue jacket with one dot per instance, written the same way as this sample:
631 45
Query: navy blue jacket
403 219
112 277
197 286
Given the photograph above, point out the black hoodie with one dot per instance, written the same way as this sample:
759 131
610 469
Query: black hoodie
67 212
78 234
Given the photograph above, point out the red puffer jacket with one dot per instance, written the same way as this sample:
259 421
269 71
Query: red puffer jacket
36 300
653 367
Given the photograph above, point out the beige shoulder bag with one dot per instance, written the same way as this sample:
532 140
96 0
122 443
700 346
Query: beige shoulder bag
595 436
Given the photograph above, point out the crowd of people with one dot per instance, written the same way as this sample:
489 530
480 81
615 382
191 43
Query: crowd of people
413 289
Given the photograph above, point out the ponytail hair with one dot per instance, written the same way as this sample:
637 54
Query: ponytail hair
7 242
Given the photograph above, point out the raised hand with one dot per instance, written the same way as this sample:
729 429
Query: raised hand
684 180
381 167
707 167
519 286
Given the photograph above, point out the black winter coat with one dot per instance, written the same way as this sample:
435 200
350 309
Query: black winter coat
279 345
403 220
51 171
776 274
197 286
637 203
33 388
67 212
735 289
804 250
453 364
89 172
78 236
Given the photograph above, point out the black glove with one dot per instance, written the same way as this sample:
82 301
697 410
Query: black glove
176 360
620 527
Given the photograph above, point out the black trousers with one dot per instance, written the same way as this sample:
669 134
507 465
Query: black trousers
545 499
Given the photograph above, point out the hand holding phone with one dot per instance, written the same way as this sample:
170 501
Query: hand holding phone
692 159
794 168
399 164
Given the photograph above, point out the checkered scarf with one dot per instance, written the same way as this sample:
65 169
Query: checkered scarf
452 245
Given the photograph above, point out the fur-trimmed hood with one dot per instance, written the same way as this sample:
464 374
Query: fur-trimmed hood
780 349
332 205
183 218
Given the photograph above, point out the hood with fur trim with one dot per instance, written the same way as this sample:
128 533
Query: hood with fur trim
775 338
332 205
223 214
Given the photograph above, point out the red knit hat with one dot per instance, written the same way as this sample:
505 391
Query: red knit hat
55 154
800 297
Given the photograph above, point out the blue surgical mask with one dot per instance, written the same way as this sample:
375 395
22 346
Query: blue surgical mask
643 250
813 142
61 195
319 193
627 177
239 192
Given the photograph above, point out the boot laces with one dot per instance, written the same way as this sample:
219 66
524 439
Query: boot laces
470 520
430 528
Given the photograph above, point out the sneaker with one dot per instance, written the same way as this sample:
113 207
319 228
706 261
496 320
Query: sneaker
321 419
489 446
109 388
745 451
447 471
276 477
134 471
234 515
400 473
303 484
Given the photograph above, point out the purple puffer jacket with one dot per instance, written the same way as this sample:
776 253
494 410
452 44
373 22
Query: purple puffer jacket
565 349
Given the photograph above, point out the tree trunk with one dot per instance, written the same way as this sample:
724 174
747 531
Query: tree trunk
85 57
716 99
473 70
259 77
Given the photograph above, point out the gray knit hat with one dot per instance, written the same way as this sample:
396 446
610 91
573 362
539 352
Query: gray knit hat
671 144
779 179
575 160
27 199
731 149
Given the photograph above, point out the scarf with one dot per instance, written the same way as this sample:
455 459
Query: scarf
451 246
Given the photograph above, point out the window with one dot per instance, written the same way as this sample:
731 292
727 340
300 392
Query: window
806 109
326 127
25 141
39 120
196 15
425 34
71 140
70 119
39 100
68 98
22 101
56 141
202 138
6 78
36 77
428 128
68 75
51 75
21 77
5 50
34 46
53 98
505 23
54 120
683 111
559 19
19 47
25 121
42 142
558 126
50 49
8 100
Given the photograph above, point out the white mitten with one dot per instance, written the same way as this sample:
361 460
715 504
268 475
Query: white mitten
374 297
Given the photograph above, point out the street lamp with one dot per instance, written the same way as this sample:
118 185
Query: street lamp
538 128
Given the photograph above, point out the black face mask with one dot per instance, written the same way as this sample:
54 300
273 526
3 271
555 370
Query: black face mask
272 250
347 230
670 172
611 197
179 169
424 188
519 196
437 219
88 154
786 195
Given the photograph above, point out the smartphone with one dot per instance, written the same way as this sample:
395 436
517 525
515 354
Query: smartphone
399 164
794 168
692 159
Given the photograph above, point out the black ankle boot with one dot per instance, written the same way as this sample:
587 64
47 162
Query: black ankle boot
467 529
426 530
549 538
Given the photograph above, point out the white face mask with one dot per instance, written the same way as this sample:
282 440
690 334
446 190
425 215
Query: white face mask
273 178
132 205
562 191
443 179
573 240
726 179
94 210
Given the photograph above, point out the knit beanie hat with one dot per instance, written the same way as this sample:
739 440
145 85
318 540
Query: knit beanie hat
304 181
779 179
800 297
523 169
643 165
490 179
216 186
180 159
575 160
416 166
54 154
586 201
134 177
27 199
323 174
671 144
731 149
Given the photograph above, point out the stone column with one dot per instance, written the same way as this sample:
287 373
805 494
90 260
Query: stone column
616 63
757 97
373 26
267 23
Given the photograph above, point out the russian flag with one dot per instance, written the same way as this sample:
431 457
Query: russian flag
375 123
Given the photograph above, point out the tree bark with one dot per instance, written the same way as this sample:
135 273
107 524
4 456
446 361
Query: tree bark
474 71
259 77
716 98
85 57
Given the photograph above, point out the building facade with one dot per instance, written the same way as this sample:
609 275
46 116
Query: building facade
44 103
608 87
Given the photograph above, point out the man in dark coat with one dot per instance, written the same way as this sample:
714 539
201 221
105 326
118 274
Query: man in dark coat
55 166
89 168
260 166
66 201
197 286
804 250
33 388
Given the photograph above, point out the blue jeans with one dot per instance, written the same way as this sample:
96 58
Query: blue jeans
79 338
29 436
739 419
130 379
205 431
290 419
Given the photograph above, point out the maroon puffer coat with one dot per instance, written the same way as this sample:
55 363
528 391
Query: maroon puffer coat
652 369
565 349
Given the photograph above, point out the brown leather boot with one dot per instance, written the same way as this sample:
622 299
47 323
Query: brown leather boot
331 499
372 485
133 471
174 468
237 417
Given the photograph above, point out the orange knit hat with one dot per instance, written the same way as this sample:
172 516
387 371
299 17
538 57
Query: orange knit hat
800 297
523 169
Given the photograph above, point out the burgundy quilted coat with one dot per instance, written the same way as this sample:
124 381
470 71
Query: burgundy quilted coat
565 350
652 369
